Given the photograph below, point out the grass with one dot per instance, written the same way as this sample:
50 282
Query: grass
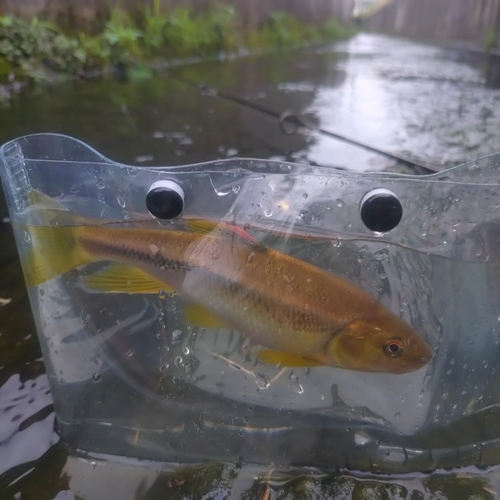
39 50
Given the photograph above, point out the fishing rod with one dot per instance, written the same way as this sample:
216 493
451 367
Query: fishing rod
289 123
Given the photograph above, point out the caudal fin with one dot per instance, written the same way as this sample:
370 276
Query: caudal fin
52 251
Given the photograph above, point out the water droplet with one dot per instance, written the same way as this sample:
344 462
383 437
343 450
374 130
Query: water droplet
176 336
262 382
26 237
299 389
340 203
294 378
178 361
397 415
96 361
120 201
41 292
383 276
161 294
83 317
268 212
132 172
100 183
236 189
96 377
185 350
305 196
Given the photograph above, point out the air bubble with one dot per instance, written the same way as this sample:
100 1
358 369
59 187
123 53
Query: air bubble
178 361
397 415
41 292
340 203
26 237
305 196
294 378
299 389
100 183
185 350
120 201
176 336
96 377
161 294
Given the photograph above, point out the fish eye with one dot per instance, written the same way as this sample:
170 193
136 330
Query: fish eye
393 347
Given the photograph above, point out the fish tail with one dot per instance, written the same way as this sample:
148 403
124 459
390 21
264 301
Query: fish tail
53 251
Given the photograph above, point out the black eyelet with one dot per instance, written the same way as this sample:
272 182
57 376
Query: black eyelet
165 200
381 210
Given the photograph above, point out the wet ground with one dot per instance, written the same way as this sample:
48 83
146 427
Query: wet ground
440 106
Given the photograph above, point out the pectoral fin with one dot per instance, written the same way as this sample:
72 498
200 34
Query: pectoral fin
120 278
199 316
285 359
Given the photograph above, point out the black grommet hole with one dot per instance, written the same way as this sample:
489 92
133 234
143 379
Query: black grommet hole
164 203
381 210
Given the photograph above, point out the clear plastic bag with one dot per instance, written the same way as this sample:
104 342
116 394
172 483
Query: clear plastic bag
147 372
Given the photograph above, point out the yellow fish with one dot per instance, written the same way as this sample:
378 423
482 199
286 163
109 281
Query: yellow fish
301 314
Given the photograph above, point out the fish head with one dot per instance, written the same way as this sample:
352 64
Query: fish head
384 343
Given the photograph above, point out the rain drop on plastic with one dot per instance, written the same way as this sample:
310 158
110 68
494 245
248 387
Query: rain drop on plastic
176 336
120 201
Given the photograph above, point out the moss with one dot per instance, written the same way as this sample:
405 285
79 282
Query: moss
38 50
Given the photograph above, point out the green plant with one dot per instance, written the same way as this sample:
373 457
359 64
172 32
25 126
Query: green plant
38 46
122 37
222 30
154 27
491 38
183 33
283 30
38 49
334 30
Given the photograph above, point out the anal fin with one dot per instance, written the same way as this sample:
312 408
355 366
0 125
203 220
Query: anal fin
199 316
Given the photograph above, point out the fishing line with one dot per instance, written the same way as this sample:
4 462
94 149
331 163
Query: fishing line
289 123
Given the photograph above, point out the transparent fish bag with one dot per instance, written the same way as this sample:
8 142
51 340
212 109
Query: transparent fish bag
269 269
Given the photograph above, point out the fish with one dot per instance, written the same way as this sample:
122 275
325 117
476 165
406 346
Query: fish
299 314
